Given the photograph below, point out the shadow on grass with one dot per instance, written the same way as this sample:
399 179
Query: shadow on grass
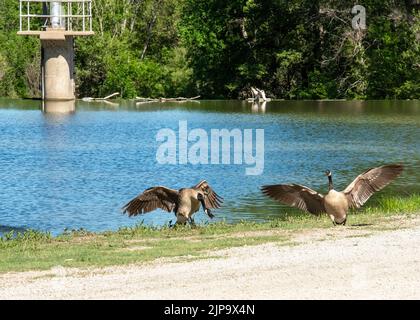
362 225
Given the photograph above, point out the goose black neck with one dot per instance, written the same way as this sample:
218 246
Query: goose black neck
330 183
201 199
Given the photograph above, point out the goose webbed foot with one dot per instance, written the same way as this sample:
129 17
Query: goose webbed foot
192 222
343 223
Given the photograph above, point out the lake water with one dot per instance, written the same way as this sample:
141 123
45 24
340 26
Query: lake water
77 170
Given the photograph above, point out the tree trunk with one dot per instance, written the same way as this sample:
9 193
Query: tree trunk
150 26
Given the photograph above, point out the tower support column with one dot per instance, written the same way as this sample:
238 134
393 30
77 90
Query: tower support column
57 68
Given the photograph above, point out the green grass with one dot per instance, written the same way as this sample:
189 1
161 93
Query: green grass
34 250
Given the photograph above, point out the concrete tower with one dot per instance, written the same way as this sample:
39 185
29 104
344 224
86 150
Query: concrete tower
56 23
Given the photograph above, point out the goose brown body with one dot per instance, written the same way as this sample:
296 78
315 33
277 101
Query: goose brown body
184 202
335 203
336 206
188 204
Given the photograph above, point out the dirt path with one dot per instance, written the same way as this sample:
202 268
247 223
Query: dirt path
338 265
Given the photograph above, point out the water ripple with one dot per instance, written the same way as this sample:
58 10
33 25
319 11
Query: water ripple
76 171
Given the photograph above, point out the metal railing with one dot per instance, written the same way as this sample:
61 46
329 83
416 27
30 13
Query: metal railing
65 15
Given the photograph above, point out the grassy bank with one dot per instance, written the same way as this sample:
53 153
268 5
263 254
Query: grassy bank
38 251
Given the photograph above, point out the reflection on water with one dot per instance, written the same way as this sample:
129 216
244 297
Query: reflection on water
58 106
76 170
259 107
6 230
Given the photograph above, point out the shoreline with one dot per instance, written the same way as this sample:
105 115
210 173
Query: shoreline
34 250
354 262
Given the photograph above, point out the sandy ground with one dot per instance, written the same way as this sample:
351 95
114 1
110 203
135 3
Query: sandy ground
331 264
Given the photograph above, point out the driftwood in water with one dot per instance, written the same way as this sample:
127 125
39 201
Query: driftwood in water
179 99
101 99
254 93
258 95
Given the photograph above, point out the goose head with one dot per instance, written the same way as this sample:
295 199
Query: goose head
328 173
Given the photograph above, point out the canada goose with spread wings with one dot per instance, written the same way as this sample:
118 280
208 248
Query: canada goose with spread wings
335 203
184 202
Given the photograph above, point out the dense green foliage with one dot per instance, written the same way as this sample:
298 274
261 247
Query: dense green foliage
19 56
300 49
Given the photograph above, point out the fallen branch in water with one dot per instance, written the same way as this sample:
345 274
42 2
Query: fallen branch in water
101 99
179 99
258 95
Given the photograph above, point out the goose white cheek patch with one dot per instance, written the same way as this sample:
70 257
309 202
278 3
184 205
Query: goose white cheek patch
219 146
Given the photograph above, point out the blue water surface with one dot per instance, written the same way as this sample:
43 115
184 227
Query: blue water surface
77 170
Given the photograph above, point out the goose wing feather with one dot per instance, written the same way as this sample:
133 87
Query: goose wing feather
297 196
369 182
211 198
152 199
